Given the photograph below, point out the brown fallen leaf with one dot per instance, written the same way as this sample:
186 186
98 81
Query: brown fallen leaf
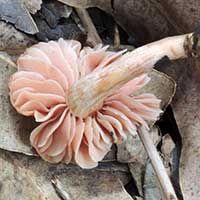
31 178
13 41
33 5
156 24
18 182
186 110
184 14
86 3
136 156
151 186
15 12
15 129
162 87
162 18
132 149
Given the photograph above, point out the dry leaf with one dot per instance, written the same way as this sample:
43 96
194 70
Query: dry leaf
156 24
33 5
15 129
162 18
17 182
184 14
30 178
151 186
15 12
133 151
86 3
13 41
162 87
186 110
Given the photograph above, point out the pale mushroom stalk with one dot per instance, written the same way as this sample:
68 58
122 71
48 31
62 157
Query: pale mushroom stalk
88 93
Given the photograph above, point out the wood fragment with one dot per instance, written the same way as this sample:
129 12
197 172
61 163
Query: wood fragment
160 171
116 36
59 189
93 36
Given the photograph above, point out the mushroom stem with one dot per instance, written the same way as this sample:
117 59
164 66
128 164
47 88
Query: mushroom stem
88 93
160 171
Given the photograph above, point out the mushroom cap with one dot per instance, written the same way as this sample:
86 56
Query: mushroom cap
39 88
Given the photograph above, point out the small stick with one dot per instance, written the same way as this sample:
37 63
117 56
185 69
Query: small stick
93 36
116 37
58 187
160 171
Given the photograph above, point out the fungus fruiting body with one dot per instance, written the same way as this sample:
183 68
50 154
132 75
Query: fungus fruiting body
40 88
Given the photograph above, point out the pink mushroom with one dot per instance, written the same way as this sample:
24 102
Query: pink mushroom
40 88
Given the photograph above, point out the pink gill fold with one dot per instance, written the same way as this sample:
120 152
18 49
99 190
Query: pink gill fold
39 89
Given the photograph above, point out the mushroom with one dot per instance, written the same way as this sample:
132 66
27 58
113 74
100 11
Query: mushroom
86 99
41 88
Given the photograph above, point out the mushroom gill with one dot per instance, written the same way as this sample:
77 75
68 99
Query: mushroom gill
40 88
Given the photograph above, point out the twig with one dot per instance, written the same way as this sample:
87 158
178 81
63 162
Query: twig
160 171
121 47
6 58
93 36
58 187
116 36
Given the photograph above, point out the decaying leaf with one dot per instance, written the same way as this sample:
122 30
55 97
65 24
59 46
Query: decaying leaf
156 24
13 41
167 150
164 88
31 178
86 3
17 182
133 151
152 189
187 111
15 12
184 14
33 5
15 129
